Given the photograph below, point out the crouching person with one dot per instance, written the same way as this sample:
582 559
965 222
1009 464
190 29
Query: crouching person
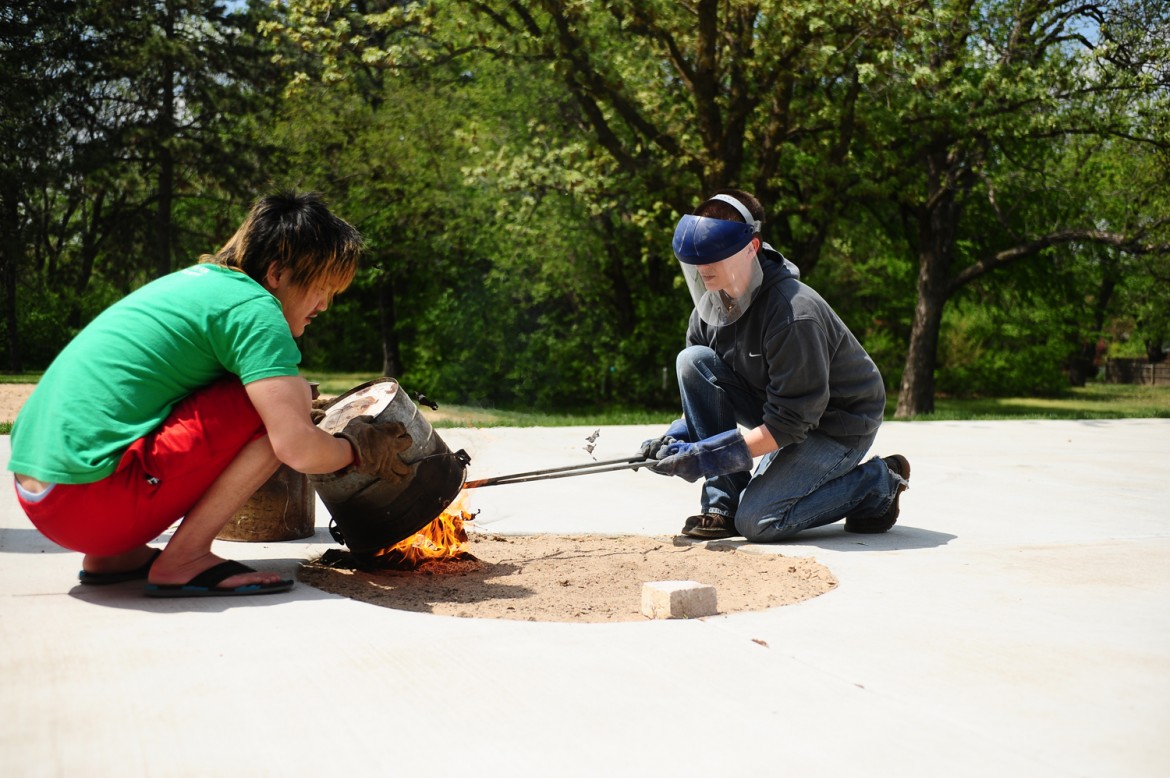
183 398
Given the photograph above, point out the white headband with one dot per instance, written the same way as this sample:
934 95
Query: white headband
743 211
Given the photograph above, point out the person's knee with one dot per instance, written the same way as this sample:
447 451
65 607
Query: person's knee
763 529
689 361
754 531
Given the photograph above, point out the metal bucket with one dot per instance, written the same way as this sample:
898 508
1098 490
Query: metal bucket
284 508
370 514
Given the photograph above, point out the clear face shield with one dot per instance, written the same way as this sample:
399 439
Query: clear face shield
720 266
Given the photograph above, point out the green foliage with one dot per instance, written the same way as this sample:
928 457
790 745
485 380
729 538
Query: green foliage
44 332
504 256
992 351
869 282
517 167
137 142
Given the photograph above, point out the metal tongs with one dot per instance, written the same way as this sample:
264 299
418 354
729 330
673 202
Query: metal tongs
561 472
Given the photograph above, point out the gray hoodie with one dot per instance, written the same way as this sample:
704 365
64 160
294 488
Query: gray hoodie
799 359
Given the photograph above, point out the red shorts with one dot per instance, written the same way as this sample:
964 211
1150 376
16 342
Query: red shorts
158 479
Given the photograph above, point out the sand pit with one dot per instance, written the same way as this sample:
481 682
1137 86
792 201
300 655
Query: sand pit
578 578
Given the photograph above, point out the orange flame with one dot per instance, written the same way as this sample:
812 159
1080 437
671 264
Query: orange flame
443 538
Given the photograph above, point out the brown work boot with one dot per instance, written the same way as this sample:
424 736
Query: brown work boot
709 526
899 466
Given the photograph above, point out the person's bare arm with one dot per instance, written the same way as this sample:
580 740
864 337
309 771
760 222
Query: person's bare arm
760 441
283 403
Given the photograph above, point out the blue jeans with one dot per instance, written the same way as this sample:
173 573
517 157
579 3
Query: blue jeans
808 484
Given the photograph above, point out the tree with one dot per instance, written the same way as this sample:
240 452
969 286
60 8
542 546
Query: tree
43 84
690 98
654 105
186 77
943 123
124 118
981 106
380 144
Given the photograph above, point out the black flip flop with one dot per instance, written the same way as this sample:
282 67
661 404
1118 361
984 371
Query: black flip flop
205 584
105 579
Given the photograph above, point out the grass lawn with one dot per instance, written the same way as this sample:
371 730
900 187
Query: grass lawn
1092 401
1095 401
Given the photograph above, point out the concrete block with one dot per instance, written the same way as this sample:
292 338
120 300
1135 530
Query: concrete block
678 600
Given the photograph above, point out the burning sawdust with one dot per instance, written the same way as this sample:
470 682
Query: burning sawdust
574 578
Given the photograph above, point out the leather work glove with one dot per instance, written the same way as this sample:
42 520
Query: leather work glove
676 432
317 412
719 454
378 448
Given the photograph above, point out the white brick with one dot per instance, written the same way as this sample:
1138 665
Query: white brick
678 600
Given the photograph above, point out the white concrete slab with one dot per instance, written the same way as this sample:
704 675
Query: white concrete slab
1016 622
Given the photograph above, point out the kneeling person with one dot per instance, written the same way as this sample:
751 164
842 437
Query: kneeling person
765 351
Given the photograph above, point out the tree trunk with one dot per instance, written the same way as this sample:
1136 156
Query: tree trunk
166 184
916 396
1083 364
91 218
937 227
166 159
1155 350
11 249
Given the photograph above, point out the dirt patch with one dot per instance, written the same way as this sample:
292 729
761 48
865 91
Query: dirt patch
12 399
577 578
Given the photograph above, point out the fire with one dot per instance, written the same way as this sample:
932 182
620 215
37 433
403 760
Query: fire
443 538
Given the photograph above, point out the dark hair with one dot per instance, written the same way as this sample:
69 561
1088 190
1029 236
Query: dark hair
717 209
298 232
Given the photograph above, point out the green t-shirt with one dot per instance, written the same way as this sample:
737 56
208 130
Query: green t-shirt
120 377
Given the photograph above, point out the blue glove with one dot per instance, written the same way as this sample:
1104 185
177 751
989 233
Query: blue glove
719 454
676 432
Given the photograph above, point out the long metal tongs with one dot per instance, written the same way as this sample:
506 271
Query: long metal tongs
561 472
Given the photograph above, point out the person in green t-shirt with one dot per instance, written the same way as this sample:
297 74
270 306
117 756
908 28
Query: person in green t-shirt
183 398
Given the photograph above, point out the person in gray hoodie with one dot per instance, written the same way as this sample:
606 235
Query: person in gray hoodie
765 352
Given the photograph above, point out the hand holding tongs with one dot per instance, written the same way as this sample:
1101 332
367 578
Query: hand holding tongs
561 472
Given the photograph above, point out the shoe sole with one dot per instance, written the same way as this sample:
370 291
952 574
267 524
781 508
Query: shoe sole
182 590
207 584
713 534
107 579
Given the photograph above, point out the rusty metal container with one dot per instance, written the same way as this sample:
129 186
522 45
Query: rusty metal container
284 508
369 514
